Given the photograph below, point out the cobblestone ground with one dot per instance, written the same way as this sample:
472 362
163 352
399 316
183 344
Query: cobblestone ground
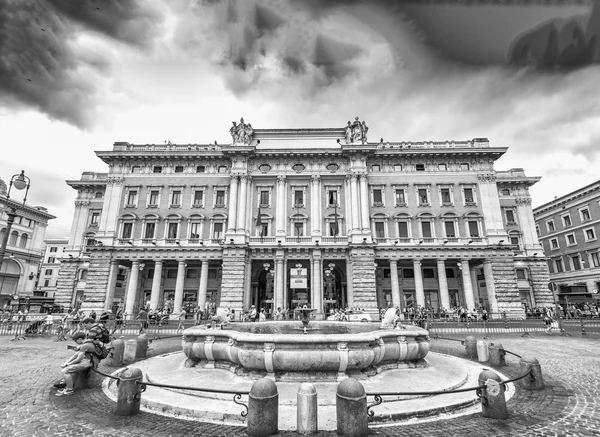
568 406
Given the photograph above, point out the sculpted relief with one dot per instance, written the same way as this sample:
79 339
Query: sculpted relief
356 132
241 133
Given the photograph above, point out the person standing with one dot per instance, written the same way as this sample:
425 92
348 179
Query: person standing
182 315
143 318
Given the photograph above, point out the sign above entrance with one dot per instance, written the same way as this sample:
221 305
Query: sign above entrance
298 278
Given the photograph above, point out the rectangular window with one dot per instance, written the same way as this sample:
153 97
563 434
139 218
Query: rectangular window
469 195
191 273
400 197
397 167
53 249
423 197
589 234
51 260
176 198
136 169
131 198
505 192
596 259
403 229
464 166
566 219
298 198
550 225
442 167
559 265
473 228
446 199
153 199
408 273
218 231
554 243
450 273
585 214
426 229
48 272
375 168
157 169
127 228
195 230
150 229
95 218
333 198
333 229
450 230
380 229
298 229
47 283
571 239
179 169
510 217
198 197
428 273
264 229
172 230
171 273
264 198
514 241
576 262
521 274
200 169
377 198
220 200
222 169
420 167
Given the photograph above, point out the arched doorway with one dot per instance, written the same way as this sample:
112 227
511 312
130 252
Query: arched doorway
334 285
9 281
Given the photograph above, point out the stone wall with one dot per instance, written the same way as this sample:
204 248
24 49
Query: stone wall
65 283
232 281
363 277
507 290
96 285
539 281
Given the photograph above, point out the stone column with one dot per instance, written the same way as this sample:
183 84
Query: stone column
156 280
475 287
349 284
419 291
318 281
132 288
443 284
112 283
179 287
279 285
233 199
467 286
527 224
348 205
281 221
490 205
364 203
395 284
110 208
202 289
355 205
241 220
248 285
315 201
490 285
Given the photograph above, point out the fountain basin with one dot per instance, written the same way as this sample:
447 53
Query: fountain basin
282 351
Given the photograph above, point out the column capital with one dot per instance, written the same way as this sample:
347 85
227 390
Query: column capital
523 200
281 179
315 179
416 261
393 262
487 177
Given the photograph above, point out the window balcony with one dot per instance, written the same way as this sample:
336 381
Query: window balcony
377 204
130 205
298 240
152 205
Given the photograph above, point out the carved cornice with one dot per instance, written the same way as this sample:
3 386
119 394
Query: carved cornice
487 177
82 203
114 180
523 200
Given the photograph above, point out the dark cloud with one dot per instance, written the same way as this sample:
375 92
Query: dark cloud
43 66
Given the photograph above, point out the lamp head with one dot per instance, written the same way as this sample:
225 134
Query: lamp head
19 181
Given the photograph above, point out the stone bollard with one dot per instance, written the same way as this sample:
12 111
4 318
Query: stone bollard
306 413
471 346
263 409
130 393
115 357
534 381
483 353
130 350
493 401
351 409
497 354
142 346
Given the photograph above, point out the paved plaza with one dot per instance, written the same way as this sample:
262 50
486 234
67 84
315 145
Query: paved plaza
568 406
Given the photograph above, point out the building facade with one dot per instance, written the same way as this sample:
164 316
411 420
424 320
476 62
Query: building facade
19 269
49 267
321 217
568 228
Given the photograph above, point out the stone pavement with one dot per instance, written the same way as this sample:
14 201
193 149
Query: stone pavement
568 406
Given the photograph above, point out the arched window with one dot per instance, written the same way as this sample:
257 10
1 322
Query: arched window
13 238
23 241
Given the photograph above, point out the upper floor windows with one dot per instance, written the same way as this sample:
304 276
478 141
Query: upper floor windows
554 243
509 214
153 198
94 218
176 197
265 199
464 166
584 214
571 241
298 195
377 196
469 195
550 226
442 167
53 249
136 169
198 198
219 198
397 167
333 200
423 196
420 167
566 220
178 169
157 169
505 192
222 169
595 259
131 197
200 169
375 168
589 234
127 230
446 196
559 265
400 196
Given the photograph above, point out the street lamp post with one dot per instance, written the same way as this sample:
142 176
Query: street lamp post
20 182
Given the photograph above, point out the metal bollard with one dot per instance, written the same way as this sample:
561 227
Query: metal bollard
117 349
483 353
351 409
263 409
130 393
142 346
130 353
497 354
306 413
470 346
493 401
534 381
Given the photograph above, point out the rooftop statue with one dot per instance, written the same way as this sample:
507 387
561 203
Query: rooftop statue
356 132
241 133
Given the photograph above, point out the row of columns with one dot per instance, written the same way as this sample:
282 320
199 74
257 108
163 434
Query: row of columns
133 286
238 196
467 284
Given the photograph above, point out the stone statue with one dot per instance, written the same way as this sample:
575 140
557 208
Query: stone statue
389 319
348 133
365 129
356 132
241 133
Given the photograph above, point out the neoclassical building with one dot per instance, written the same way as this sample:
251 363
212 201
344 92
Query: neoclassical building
287 217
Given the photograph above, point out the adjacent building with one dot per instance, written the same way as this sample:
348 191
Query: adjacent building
568 228
50 266
18 273
317 217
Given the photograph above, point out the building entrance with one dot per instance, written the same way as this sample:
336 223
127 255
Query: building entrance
334 286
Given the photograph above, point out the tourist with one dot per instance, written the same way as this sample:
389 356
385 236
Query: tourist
118 321
262 317
278 315
182 315
80 361
104 317
198 315
253 314
143 318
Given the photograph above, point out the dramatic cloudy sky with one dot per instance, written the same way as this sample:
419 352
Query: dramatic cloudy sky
77 76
